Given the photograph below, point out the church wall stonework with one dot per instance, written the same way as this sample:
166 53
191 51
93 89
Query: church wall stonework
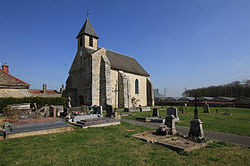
114 87
93 79
142 96
128 91
86 42
96 61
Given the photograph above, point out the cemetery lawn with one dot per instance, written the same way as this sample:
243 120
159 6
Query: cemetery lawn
111 146
238 123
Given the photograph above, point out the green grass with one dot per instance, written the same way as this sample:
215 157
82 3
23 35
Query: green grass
238 123
111 146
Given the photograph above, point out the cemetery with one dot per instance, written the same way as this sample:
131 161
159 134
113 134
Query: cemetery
112 66
167 135
21 120
221 119
165 141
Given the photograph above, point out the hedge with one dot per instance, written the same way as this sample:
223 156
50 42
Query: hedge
160 102
40 101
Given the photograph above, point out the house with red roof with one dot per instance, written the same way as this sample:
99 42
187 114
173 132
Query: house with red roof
11 86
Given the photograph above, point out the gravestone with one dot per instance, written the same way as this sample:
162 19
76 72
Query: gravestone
170 123
173 111
98 110
196 129
117 116
181 110
168 127
155 112
185 107
85 108
146 109
206 108
53 111
109 110
227 113
69 102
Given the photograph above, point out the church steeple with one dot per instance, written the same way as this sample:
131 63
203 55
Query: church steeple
87 37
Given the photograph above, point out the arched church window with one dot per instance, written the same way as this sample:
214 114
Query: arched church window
136 86
80 41
91 41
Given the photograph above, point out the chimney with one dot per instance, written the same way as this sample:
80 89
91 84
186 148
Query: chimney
44 88
5 68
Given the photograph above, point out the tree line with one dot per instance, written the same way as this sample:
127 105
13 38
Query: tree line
233 89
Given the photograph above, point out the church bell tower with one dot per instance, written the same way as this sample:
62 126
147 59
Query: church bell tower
87 37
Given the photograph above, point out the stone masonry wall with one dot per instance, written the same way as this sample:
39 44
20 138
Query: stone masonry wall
128 92
17 93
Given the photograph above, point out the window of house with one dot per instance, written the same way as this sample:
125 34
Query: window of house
136 86
80 41
91 41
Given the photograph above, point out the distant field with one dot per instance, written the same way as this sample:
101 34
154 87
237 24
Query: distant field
111 146
238 123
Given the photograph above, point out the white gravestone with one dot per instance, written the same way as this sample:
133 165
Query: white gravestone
206 108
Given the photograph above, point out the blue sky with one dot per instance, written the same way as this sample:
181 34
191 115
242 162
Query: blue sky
182 44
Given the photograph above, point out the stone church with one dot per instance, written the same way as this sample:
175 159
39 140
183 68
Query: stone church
99 76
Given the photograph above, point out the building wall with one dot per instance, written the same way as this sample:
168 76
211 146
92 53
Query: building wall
20 93
114 86
85 42
93 78
17 93
44 95
101 79
130 78
142 96
79 82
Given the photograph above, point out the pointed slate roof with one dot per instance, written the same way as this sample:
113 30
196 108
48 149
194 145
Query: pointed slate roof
87 29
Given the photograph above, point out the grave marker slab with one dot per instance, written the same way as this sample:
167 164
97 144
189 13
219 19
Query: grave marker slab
109 110
173 111
206 108
155 112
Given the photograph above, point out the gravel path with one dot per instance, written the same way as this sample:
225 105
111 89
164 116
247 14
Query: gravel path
231 138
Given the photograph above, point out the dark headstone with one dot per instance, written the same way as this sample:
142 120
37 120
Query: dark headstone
140 108
52 110
196 129
109 110
155 112
173 111
170 123
181 110
98 110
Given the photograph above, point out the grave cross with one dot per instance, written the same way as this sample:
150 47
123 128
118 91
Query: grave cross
195 109
88 13
116 90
